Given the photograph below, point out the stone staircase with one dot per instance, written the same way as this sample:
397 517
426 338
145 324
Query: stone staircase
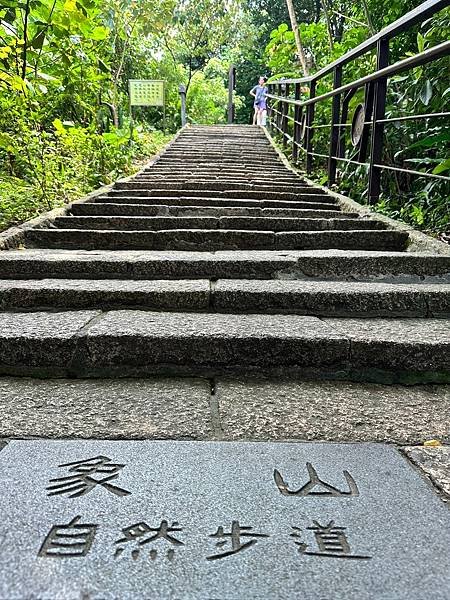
218 259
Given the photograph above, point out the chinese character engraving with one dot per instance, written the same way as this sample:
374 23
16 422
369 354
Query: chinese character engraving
314 481
68 541
139 530
82 482
237 532
330 540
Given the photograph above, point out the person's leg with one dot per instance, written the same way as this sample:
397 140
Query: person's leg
263 117
255 115
259 120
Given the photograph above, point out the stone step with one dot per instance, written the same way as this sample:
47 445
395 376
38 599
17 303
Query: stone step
170 176
190 201
343 298
259 163
211 195
212 186
205 239
307 265
186 159
126 223
49 294
325 298
160 168
131 343
155 210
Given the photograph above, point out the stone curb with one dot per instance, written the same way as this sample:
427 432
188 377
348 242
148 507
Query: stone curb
418 241
13 237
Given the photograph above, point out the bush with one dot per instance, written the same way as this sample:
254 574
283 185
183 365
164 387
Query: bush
41 170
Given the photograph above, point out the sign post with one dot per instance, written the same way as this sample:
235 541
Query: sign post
146 92
231 88
182 91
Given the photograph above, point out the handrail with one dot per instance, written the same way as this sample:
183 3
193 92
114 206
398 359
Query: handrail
414 16
367 125
398 67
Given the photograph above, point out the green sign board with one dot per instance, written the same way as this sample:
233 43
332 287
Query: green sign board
146 92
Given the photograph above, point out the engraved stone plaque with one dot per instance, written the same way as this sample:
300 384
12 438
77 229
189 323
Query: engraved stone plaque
103 520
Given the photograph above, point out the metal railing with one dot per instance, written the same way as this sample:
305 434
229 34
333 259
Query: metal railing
294 119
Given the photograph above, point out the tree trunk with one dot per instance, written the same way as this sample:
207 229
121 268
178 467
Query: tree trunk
298 41
25 40
328 20
368 17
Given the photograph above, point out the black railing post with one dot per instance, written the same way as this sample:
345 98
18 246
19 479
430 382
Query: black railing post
335 129
285 111
368 105
309 127
297 117
379 107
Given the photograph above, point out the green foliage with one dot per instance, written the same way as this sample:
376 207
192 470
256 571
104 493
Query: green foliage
64 71
419 145
43 168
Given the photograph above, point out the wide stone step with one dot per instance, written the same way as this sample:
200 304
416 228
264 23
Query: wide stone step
126 223
211 186
306 202
129 343
251 166
320 298
158 210
228 178
330 265
192 169
325 298
301 195
191 295
216 239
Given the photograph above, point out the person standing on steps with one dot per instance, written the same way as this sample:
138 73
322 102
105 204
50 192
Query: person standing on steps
259 92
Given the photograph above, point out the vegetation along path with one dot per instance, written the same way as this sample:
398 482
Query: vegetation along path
216 296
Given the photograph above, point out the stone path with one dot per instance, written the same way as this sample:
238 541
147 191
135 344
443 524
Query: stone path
217 297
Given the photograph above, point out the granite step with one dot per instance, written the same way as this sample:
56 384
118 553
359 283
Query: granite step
68 294
258 165
228 178
212 186
325 298
159 223
143 343
343 299
160 170
307 265
301 195
306 202
158 210
213 239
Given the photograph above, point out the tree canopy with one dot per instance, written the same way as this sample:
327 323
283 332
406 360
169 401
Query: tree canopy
65 66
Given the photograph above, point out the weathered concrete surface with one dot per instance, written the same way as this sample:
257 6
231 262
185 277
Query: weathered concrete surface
338 411
399 546
434 462
105 409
